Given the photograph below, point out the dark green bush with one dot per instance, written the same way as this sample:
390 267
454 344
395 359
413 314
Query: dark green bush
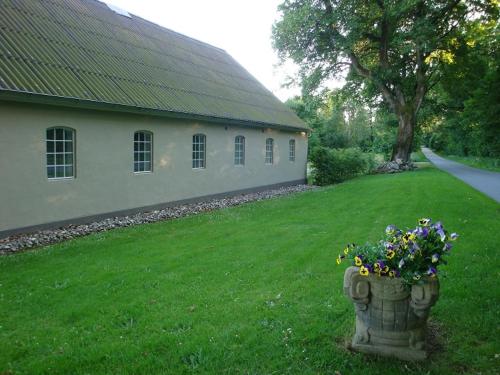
336 165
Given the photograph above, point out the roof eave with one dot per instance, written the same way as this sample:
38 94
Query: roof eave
68 102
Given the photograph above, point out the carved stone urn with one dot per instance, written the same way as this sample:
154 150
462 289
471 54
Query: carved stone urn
391 318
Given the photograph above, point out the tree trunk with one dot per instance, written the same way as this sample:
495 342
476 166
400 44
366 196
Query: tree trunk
402 148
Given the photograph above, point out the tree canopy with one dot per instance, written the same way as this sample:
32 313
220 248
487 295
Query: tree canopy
391 49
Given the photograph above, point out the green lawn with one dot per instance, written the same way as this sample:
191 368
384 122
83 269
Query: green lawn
490 164
248 290
418 157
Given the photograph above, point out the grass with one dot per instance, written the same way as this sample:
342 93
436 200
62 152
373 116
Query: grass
490 164
248 290
418 157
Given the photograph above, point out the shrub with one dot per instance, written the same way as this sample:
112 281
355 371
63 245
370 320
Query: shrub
336 165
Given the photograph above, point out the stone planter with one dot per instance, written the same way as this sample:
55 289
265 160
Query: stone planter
391 319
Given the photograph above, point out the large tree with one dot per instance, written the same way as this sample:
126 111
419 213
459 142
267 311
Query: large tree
393 47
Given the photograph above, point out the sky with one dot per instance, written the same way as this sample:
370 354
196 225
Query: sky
241 27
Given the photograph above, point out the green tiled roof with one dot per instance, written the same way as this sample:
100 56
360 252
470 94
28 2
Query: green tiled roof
81 50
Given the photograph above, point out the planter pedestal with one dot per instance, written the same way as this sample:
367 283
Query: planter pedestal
391 320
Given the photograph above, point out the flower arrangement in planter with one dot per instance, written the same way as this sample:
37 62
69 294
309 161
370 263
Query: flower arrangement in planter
393 284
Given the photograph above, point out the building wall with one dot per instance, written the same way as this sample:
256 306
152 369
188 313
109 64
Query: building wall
105 181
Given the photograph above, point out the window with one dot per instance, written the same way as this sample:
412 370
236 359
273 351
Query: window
291 150
239 150
199 146
60 153
269 151
143 150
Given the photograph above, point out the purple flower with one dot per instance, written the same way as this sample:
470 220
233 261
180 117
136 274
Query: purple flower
389 246
453 236
435 258
438 226
447 246
441 234
431 272
422 232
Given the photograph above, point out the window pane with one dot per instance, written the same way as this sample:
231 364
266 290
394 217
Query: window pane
59 159
68 135
50 133
147 147
136 146
147 166
147 137
59 146
51 172
136 167
147 156
68 146
59 133
68 159
69 172
59 171
50 146
136 136
141 136
50 159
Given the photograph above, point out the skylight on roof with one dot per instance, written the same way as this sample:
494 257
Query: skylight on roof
118 10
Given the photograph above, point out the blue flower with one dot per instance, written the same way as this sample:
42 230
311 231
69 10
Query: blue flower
441 234
438 226
435 258
432 272
453 236
389 246
422 232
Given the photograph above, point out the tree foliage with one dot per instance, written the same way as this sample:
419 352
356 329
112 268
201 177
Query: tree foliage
393 49
462 113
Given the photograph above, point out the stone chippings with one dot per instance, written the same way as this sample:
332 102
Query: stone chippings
23 241
396 166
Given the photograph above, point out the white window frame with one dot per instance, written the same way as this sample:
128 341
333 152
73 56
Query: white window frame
269 151
291 150
199 154
239 150
62 156
143 150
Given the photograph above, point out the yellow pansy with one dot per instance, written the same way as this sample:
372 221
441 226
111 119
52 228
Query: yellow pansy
358 261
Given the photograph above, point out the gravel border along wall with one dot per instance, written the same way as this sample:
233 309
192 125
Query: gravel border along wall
24 241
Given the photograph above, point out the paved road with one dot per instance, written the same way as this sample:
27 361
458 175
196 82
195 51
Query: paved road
484 181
